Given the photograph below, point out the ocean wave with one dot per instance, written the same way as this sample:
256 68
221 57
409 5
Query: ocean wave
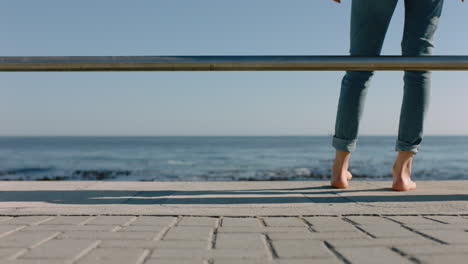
179 162
297 174
227 174
25 170
99 174
48 174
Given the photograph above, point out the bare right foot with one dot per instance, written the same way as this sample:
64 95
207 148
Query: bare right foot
340 179
340 173
402 172
403 185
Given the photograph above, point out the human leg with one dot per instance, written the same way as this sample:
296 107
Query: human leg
369 24
421 20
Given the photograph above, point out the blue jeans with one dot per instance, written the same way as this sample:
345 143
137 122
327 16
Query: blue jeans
369 24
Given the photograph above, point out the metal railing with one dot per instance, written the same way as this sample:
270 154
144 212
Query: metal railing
231 63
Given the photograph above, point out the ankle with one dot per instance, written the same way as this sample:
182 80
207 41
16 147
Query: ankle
341 162
402 173
404 157
340 167
403 160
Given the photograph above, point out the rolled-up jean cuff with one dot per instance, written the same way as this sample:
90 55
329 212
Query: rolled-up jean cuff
345 145
403 146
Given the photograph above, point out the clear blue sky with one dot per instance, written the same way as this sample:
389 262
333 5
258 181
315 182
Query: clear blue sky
207 103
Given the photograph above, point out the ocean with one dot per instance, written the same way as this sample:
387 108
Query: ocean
219 158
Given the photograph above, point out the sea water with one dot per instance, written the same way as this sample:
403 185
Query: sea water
219 158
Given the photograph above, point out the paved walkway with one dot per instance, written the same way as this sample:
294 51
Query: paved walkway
232 222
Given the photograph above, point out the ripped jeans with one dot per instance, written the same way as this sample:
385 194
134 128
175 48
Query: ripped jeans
369 24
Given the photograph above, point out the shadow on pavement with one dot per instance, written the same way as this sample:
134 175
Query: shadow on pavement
320 194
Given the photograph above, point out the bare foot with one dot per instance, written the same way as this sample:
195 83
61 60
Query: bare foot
402 172
340 179
340 173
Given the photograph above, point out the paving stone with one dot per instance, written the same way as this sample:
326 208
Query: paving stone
261 229
335 229
316 236
7 252
113 255
386 230
167 244
240 236
195 254
62 249
171 261
372 255
307 261
433 249
189 233
102 261
395 241
460 227
26 220
34 261
241 221
244 261
284 221
325 220
110 220
240 254
300 248
108 235
67 220
371 220
8 228
174 244
330 224
69 228
448 236
143 228
24 239
412 220
205 254
446 259
198 221
4 218
450 219
239 241
153 221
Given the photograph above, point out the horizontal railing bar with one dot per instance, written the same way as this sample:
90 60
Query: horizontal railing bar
231 63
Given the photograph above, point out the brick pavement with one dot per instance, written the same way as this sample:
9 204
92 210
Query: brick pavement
232 222
222 240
